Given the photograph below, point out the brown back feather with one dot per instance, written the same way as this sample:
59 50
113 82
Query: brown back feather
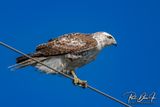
63 45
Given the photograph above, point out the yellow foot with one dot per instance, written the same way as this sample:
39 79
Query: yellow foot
79 82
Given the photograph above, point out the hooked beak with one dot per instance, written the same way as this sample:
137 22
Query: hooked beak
115 43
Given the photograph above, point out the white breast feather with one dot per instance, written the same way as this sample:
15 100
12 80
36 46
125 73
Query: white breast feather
55 62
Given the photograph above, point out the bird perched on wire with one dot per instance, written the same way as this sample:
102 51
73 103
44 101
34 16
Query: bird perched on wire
67 53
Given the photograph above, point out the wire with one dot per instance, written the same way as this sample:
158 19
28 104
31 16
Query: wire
68 76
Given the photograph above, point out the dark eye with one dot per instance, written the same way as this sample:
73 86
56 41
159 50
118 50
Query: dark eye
109 37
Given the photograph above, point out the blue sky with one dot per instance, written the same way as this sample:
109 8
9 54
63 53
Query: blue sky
132 66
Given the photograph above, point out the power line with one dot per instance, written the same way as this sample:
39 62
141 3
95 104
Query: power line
68 76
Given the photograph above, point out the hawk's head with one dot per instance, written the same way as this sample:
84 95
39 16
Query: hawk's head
104 39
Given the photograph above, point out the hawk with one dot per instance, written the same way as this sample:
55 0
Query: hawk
67 53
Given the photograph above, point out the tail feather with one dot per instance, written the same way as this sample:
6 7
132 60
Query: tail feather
24 61
22 64
23 58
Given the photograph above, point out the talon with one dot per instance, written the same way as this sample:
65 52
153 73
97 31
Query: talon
76 81
83 84
79 82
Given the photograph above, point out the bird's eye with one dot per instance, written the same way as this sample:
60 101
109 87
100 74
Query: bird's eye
109 37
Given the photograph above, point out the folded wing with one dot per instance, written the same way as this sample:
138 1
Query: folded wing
69 43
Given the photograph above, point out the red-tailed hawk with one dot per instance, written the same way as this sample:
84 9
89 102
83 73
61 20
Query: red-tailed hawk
67 53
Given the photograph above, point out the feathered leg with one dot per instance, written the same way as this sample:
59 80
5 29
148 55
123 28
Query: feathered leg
77 81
